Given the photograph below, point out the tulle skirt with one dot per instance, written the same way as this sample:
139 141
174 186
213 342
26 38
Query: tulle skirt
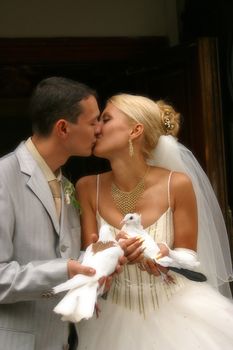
196 317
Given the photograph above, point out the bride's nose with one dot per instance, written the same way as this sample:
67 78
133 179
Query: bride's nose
98 128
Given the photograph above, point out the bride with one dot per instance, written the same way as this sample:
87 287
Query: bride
154 175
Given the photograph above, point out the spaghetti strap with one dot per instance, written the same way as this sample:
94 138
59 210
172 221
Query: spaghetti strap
97 192
168 189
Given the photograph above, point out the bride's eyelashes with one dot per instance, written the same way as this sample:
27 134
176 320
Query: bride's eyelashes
105 119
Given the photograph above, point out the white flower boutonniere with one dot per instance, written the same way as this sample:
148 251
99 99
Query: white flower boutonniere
69 193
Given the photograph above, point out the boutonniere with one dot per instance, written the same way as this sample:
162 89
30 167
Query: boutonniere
69 194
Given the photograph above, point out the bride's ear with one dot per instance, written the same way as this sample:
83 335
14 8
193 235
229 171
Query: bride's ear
136 131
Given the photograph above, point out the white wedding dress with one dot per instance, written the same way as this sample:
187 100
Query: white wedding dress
142 312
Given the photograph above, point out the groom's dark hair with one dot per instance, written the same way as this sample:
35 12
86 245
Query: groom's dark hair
55 98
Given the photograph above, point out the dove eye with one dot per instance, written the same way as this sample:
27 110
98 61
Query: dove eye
131 218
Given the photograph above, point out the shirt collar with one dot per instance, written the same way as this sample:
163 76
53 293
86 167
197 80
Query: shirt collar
48 173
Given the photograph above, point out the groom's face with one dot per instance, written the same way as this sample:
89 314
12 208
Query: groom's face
83 133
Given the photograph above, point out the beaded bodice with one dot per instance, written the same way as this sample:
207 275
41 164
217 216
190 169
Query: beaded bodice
137 290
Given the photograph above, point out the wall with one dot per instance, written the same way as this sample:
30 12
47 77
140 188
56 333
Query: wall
72 18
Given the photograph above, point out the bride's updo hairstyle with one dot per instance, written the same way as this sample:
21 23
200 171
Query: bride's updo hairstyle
158 118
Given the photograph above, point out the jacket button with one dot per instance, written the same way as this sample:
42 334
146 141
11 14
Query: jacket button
63 248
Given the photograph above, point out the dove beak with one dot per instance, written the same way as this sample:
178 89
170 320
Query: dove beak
122 221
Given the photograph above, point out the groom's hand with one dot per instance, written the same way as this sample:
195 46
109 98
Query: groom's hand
74 268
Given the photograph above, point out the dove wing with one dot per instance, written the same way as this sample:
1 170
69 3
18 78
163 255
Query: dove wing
79 302
75 282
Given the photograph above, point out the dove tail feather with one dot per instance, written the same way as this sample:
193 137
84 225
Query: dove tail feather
78 303
67 305
86 303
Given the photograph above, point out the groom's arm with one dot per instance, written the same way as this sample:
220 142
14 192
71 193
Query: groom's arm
20 282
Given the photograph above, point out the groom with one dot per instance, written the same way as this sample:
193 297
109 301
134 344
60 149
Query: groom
39 225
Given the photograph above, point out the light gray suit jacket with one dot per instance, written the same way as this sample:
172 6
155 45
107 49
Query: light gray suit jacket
34 250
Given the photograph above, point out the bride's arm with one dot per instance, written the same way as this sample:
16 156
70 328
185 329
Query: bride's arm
184 212
86 195
185 221
86 192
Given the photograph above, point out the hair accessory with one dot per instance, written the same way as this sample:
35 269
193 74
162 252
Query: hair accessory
167 121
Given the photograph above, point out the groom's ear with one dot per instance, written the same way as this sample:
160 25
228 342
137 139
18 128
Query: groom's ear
61 128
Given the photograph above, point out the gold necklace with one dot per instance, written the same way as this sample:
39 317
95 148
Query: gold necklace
126 201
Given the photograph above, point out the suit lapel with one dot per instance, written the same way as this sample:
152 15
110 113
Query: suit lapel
63 216
37 183
42 191
64 208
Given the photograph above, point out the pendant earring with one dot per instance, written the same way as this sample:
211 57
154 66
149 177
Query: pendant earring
131 150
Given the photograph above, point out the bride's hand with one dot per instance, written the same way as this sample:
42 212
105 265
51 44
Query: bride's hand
164 250
152 268
131 246
157 270
149 266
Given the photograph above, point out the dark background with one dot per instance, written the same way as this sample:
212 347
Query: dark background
157 70
214 18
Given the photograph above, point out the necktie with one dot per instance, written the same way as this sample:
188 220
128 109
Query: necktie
56 192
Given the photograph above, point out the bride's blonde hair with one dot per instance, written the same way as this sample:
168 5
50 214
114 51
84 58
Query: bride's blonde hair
158 118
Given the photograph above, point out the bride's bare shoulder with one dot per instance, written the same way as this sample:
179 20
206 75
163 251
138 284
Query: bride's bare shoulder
176 176
89 182
181 185
178 181
86 181
158 173
181 179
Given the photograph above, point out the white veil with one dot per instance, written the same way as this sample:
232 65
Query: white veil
213 247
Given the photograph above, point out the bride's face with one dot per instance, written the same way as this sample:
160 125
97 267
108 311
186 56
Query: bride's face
114 137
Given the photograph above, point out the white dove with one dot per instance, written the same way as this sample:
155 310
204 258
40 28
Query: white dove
80 301
133 227
178 258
